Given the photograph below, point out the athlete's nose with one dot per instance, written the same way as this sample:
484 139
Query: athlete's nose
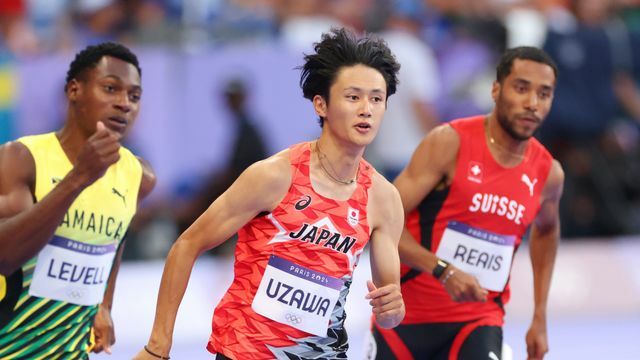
365 110
123 103
531 103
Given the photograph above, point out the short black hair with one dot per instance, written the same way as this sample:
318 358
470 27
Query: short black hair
91 55
523 53
340 48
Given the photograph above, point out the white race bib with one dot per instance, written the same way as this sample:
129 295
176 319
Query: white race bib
297 296
72 271
478 252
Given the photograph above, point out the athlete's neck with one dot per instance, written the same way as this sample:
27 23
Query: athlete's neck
338 163
71 140
506 149
496 134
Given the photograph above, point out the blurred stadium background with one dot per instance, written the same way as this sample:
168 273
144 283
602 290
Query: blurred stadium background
221 91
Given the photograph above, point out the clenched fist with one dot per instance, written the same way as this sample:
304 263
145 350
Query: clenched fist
101 150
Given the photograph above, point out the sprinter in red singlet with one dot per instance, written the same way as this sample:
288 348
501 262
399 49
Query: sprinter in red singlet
472 189
304 217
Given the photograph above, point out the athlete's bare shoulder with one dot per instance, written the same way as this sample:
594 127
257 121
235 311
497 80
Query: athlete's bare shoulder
555 182
17 178
148 179
442 142
436 155
381 188
384 199
274 169
17 166
270 178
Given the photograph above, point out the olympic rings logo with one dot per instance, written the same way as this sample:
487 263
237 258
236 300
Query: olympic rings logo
75 293
293 318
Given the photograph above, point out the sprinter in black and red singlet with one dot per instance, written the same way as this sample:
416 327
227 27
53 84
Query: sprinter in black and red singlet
473 188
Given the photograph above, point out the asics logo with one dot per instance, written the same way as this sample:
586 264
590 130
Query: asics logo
303 203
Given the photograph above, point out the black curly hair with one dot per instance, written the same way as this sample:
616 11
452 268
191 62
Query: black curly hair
91 55
340 48
523 53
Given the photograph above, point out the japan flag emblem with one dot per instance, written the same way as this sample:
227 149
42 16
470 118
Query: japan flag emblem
353 216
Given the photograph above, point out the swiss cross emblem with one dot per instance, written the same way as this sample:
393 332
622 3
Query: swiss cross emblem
475 172
353 216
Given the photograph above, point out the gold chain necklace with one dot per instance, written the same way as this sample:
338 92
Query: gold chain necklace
324 169
494 142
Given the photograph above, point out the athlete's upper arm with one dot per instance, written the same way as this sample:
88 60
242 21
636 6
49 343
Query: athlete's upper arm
260 188
148 181
431 162
548 217
387 220
17 179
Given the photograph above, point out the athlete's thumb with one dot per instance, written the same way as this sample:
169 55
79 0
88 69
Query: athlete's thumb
371 287
100 126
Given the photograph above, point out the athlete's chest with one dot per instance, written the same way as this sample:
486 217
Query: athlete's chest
507 195
317 228
102 211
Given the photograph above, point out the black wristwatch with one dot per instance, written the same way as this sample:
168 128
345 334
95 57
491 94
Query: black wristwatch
441 266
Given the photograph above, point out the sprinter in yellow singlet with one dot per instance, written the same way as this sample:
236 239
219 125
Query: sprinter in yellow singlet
66 200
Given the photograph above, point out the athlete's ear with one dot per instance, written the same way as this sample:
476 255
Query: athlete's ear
495 91
320 105
72 88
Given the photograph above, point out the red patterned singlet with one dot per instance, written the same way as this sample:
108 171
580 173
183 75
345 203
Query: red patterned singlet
293 270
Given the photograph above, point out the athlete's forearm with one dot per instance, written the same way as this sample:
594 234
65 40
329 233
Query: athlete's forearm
543 248
22 236
107 300
414 255
175 279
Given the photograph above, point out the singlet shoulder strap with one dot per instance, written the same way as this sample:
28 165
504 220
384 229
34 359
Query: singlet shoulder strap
300 156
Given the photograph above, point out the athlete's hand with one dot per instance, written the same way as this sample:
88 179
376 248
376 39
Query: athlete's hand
387 304
463 287
103 331
100 151
537 345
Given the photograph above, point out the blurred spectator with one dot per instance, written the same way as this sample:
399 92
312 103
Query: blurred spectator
466 58
248 147
303 21
589 128
15 31
410 113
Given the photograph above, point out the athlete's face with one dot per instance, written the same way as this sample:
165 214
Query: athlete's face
109 92
524 98
357 102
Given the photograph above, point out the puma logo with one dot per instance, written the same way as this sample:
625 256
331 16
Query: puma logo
530 184
118 194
